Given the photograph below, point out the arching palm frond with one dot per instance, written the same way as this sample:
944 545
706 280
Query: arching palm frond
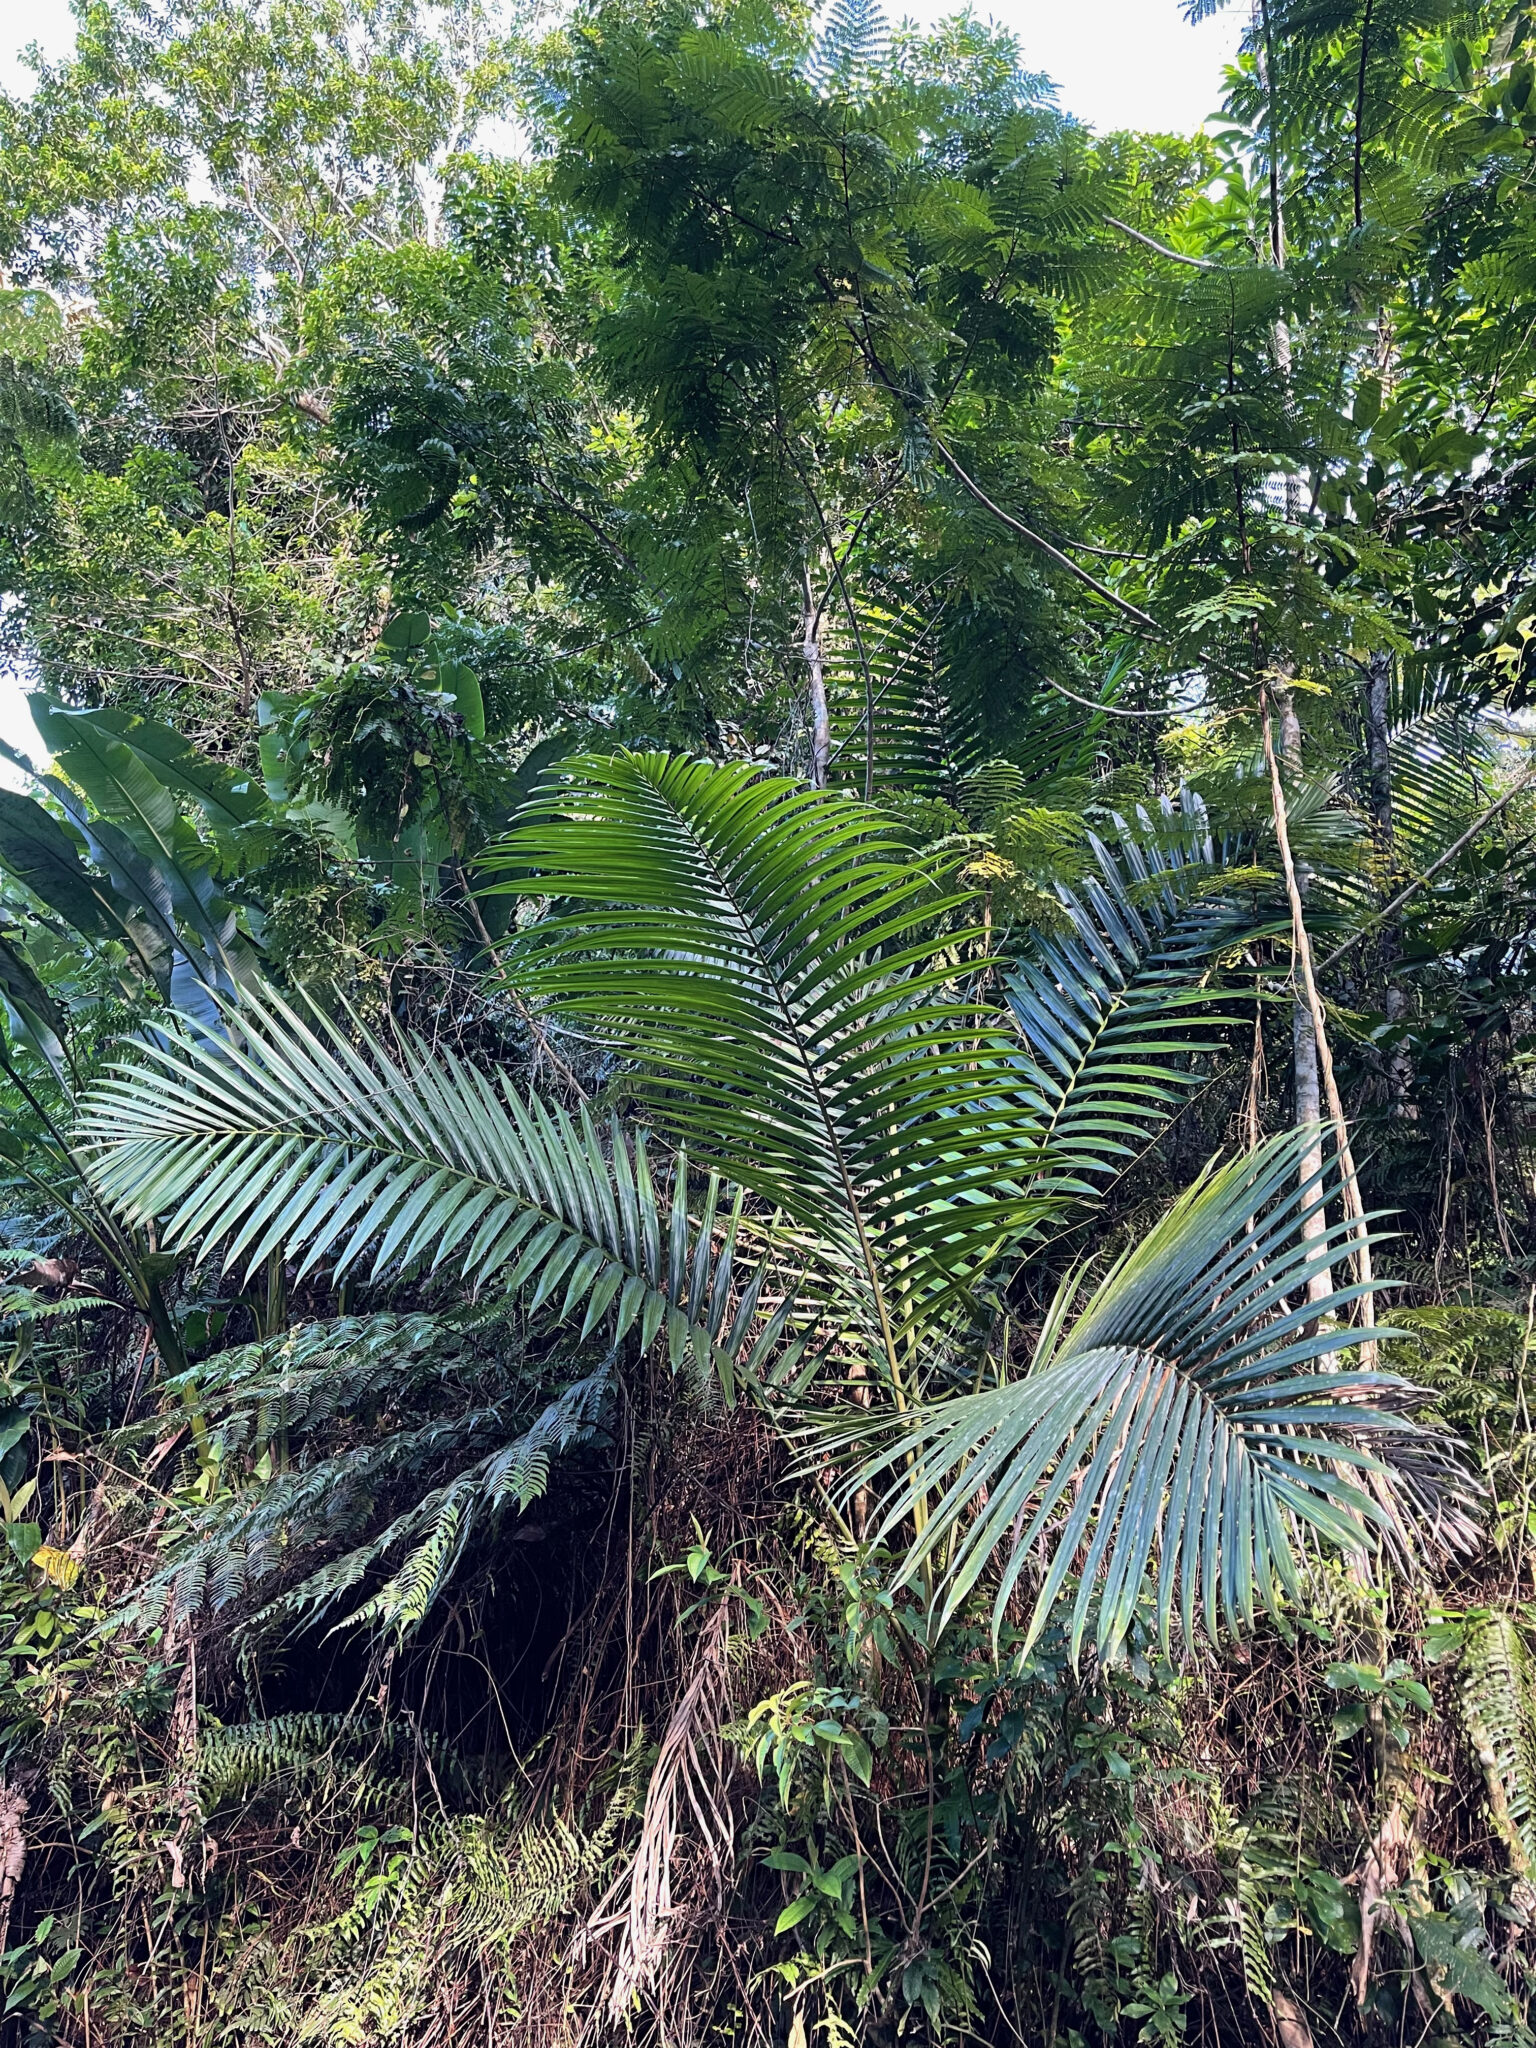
296 1138
922 741
1108 1011
765 953
1183 1426
1445 758
1443 749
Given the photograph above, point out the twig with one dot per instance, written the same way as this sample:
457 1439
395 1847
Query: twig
1161 248
540 1035
1113 710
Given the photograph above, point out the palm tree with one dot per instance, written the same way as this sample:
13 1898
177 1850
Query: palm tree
861 1147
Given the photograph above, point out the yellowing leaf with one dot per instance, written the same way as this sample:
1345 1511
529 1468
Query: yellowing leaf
59 1567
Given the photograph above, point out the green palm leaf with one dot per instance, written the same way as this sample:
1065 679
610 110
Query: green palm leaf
295 1137
1444 748
1183 1428
765 954
1107 1011
924 742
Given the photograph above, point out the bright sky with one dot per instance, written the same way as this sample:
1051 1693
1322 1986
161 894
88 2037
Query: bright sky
1116 63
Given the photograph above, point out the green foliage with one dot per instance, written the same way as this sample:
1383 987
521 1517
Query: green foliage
1106 1007
1198 1434
682 1361
293 1135
764 954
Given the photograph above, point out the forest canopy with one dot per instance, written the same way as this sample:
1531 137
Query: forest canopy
768 1240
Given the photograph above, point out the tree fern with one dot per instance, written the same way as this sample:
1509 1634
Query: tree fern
440 1526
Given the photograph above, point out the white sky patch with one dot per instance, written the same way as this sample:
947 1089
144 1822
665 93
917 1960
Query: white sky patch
1116 63
1120 63
17 729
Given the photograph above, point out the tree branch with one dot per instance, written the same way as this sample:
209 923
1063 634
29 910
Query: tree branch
1161 248
1141 618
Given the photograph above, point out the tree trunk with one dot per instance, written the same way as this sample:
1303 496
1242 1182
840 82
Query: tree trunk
1304 1058
13 1851
821 722
1378 683
1378 755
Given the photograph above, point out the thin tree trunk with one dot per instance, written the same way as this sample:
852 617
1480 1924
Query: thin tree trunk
1378 684
1302 950
13 1851
1378 753
1304 1060
1359 151
821 722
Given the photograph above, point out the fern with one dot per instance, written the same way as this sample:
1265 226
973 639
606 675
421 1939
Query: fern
1498 1707
367 1765
442 1524
469 1889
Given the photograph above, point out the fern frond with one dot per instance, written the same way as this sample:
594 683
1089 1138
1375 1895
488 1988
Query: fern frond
1498 1706
442 1524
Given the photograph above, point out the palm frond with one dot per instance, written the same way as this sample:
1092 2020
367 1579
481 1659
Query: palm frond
1108 1011
764 953
922 741
294 1137
1445 757
1182 1427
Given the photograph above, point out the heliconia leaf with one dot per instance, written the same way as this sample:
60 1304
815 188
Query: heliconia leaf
39 852
34 1014
230 798
133 829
